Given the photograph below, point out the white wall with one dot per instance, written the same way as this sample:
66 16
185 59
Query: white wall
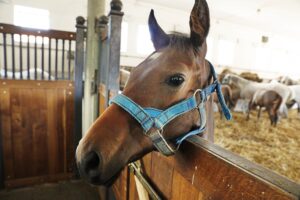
283 54
62 12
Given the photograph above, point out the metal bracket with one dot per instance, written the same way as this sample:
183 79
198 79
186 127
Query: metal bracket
94 82
135 168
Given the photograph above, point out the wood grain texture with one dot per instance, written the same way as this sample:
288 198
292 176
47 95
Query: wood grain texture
181 191
6 133
162 175
121 186
37 120
200 170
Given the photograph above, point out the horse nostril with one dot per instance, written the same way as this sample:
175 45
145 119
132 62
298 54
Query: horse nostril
91 162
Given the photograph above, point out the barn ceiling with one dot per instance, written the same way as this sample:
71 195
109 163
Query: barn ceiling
270 15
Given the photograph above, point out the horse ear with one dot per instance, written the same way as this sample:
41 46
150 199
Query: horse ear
159 38
199 23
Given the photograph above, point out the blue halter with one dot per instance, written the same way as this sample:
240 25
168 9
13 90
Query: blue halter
153 120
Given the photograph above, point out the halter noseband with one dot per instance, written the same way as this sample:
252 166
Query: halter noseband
153 120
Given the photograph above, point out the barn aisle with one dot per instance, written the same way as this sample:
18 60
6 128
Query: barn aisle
75 190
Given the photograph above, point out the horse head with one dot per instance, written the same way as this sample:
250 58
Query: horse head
227 79
169 75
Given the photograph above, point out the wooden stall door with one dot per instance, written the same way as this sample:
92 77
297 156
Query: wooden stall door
37 131
203 171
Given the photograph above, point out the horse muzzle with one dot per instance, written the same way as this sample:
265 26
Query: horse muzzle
89 164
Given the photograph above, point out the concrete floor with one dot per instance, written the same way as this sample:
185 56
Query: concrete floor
68 190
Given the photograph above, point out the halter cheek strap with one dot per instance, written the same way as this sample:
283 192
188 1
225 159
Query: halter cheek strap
153 120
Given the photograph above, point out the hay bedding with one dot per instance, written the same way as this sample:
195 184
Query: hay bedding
276 148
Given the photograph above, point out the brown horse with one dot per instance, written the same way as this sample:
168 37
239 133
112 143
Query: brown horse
171 74
251 76
227 93
268 99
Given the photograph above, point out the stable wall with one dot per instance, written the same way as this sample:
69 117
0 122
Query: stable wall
277 57
248 50
63 13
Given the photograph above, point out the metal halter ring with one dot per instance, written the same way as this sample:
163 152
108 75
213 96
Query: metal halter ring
160 132
201 97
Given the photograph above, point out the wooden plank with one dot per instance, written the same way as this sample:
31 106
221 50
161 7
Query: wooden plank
1 149
6 133
182 189
162 175
121 187
36 84
17 136
146 164
8 28
261 175
217 178
133 193
205 171
52 137
19 153
26 102
39 131
69 130
37 127
61 134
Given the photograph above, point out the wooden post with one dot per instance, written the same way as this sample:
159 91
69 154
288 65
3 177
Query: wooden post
114 34
79 63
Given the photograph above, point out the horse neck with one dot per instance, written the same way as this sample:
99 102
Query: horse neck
240 82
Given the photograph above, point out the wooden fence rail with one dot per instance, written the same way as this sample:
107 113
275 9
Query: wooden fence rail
34 54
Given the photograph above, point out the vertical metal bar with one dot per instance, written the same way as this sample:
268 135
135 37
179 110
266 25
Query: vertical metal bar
5 55
63 59
49 61
13 55
115 21
28 58
103 63
21 58
35 59
56 57
43 67
79 63
69 61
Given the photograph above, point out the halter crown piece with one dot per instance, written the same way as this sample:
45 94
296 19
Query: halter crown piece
153 120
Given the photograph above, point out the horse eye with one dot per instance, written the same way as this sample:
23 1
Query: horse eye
175 80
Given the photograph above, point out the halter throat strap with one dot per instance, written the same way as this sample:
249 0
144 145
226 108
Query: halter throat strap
153 120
